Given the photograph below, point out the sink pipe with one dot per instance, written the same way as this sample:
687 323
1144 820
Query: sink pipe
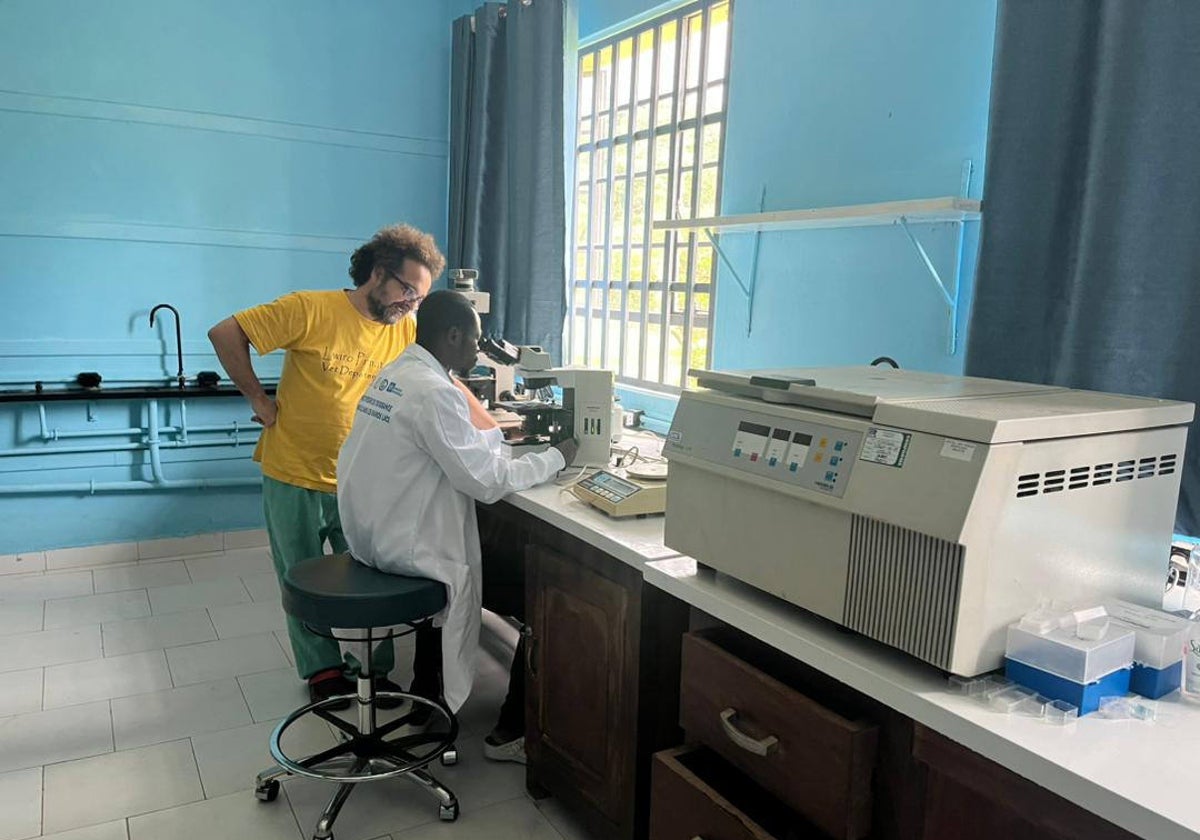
178 339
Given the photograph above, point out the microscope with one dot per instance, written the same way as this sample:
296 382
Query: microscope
538 418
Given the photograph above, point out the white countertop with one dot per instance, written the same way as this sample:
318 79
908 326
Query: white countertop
631 540
1131 773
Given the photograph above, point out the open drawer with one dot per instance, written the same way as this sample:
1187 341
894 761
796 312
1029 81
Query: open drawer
814 759
697 794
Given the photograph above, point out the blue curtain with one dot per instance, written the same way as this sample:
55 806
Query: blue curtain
507 188
1089 263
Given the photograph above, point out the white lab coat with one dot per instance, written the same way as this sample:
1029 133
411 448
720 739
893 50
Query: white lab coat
408 477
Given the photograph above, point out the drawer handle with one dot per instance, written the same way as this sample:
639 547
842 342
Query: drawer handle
758 746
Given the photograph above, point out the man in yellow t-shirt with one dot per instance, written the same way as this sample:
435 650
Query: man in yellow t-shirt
335 342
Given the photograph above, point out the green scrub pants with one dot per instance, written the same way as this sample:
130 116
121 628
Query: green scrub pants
299 521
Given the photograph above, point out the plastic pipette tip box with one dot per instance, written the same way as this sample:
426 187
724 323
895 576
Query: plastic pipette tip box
1084 696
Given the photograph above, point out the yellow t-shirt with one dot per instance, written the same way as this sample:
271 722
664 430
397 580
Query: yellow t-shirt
333 354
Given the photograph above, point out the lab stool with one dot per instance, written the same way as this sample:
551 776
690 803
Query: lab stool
364 605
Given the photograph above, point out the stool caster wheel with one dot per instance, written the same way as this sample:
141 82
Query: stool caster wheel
448 814
267 792
450 757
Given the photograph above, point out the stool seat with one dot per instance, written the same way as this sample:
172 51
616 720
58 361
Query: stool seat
339 591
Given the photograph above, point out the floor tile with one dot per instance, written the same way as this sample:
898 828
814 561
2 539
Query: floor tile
91 555
141 576
566 822
93 609
248 619
21 616
21 692
39 587
178 713
121 784
286 644
230 760
243 562
179 546
17 564
49 647
209 661
194 596
264 587
57 735
158 631
237 815
114 830
246 539
103 679
274 694
517 819
21 804
375 809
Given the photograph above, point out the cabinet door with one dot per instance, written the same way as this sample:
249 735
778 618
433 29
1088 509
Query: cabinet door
581 674
968 795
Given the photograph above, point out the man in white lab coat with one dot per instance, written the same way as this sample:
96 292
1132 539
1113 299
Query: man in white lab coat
413 467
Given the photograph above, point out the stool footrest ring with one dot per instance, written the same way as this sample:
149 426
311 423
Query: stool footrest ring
403 754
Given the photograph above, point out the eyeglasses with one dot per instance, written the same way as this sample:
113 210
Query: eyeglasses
410 291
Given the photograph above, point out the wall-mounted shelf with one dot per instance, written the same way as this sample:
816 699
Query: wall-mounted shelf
916 211
956 209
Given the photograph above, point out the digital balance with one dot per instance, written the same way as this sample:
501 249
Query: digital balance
640 492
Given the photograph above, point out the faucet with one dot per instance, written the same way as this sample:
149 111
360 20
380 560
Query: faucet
178 339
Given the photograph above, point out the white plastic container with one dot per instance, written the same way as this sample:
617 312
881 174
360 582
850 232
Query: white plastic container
1060 651
1160 637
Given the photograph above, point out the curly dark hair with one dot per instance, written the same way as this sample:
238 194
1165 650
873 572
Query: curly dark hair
390 247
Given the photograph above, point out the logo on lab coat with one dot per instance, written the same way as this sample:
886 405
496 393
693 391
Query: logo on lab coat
388 387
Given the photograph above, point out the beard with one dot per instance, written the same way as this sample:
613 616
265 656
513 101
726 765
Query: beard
387 313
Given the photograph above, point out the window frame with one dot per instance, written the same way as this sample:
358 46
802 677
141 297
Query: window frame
597 315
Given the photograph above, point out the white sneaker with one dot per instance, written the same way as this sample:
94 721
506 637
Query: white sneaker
513 750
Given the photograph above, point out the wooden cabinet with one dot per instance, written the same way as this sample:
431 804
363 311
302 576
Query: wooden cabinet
786 750
602 674
581 658
813 758
967 795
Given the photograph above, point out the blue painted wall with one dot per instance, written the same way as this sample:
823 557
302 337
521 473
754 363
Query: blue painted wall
212 155
836 103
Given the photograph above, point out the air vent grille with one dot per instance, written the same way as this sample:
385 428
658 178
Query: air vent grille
902 588
1097 475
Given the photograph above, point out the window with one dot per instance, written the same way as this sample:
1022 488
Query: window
648 148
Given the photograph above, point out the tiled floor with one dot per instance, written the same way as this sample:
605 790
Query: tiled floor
137 698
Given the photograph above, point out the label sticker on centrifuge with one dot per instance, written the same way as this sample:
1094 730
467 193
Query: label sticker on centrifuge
750 441
959 450
886 447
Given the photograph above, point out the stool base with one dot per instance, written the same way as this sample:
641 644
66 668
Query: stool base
366 756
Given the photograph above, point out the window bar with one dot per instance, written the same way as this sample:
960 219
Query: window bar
591 220
697 155
627 247
712 281
572 279
671 243
648 232
606 269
